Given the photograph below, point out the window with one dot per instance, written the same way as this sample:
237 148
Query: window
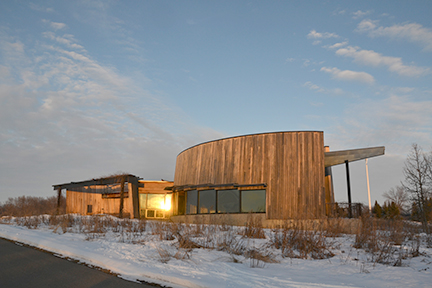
228 201
207 201
89 208
181 203
253 201
143 204
192 202
155 201
151 213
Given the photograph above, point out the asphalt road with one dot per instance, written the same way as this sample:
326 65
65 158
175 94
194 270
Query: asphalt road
22 266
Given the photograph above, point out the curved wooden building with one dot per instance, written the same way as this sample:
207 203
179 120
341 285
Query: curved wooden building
281 174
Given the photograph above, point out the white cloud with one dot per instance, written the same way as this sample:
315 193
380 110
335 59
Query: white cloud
338 45
313 34
67 40
360 14
65 117
395 120
412 32
316 88
36 7
348 75
54 25
374 59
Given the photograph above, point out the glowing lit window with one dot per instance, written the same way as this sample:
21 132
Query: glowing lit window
155 201
168 201
253 201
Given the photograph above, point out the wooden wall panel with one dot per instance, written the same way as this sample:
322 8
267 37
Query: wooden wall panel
290 163
76 202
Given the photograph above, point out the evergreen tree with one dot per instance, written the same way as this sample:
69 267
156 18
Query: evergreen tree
377 210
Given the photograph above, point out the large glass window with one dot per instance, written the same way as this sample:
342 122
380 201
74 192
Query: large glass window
155 201
143 204
181 203
192 202
253 201
207 201
228 201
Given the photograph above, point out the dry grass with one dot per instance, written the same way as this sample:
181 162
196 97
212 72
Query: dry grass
388 242
296 242
254 228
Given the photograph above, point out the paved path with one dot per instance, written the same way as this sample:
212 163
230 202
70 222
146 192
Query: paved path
22 266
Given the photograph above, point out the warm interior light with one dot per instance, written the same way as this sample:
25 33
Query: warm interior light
167 204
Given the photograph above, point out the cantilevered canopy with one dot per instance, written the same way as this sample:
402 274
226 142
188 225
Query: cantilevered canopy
100 181
340 157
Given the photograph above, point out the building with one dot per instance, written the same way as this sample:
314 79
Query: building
280 175
122 195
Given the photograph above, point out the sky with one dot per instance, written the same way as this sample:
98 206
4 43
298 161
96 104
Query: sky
92 88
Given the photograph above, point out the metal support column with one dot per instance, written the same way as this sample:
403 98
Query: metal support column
348 188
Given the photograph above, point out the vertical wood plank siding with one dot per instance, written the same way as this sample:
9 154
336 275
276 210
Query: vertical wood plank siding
76 202
290 163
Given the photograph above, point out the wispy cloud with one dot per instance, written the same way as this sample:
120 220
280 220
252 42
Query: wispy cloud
55 25
397 120
66 114
360 14
39 8
66 39
348 75
313 34
375 59
316 88
412 32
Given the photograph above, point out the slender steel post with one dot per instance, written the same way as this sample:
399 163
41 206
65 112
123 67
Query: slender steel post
348 188
367 179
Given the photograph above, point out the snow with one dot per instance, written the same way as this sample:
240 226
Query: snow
141 259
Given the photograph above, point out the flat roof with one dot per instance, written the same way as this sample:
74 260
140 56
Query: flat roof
98 181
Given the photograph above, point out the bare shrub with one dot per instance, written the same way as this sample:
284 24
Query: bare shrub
387 242
32 206
333 227
366 235
31 222
63 222
164 255
94 228
296 242
183 254
165 230
254 227
231 243
185 241
259 256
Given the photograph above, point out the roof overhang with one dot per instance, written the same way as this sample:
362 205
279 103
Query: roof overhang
339 157
100 181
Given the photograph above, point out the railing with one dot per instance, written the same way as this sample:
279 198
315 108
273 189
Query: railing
344 210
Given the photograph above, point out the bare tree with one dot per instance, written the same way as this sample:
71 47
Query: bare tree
400 197
418 181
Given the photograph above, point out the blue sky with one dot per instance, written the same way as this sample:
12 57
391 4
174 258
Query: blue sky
90 88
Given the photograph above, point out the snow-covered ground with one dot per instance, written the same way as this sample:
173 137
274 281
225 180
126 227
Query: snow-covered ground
145 257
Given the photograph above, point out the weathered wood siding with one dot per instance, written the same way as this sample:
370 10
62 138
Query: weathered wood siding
151 187
76 202
290 163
